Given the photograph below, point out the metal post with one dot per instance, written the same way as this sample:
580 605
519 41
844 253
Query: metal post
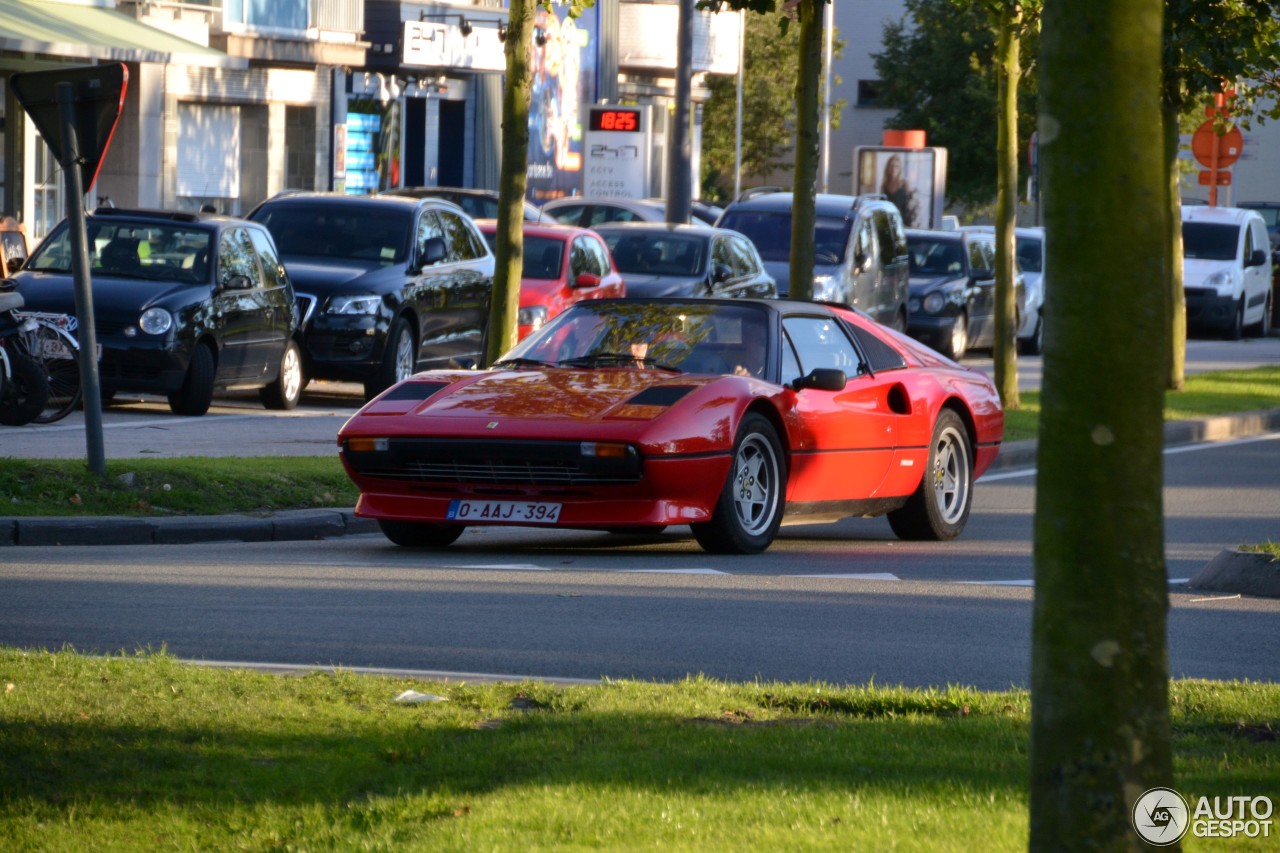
77 240
742 71
680 142
826 94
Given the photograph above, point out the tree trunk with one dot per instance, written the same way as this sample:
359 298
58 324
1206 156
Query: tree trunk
504 304
804 206
1004 350
1173 256
1100 732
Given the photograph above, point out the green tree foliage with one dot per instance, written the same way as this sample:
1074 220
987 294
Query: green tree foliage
938 69
1099 662
768 108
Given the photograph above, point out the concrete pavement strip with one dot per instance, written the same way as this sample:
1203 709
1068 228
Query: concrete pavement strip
294 525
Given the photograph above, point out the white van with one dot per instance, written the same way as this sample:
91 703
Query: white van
1226 270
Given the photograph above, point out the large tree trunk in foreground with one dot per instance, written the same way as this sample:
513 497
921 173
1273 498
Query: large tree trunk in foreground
1099 681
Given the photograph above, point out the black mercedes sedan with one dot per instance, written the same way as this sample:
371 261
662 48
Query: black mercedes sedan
184 303
660 259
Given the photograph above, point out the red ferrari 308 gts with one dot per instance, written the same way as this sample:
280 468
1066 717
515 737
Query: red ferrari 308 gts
729 415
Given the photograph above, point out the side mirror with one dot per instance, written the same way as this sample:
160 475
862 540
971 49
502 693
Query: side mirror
861 261
1257 259
822 379
720 273
238 282
15 264
433 251
586 279
983 277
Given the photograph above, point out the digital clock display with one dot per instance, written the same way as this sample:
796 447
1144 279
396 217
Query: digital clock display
624 121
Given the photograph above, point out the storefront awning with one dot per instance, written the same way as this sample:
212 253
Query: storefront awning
76 31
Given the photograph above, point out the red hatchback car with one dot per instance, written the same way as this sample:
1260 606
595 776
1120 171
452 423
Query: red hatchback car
562 265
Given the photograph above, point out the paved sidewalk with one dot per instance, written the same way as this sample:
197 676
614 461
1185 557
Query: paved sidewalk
327 523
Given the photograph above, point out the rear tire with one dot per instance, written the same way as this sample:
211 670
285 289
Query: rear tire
749 511
24 392
284 393
193 399
420 534
939 507
60 360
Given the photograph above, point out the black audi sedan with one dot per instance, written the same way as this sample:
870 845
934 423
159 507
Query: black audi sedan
183 303
388 285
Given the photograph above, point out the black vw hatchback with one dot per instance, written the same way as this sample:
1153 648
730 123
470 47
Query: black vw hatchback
184 303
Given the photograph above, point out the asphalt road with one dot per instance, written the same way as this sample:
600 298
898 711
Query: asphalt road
844 603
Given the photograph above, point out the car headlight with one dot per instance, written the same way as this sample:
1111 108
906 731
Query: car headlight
933 303
533 315
355 305
826 289
913 305
1222 280
155 321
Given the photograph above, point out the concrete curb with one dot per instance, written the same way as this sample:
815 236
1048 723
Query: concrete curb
1241 572
306 524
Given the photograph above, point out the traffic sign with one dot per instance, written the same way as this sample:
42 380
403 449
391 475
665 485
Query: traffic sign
1229 145
97 99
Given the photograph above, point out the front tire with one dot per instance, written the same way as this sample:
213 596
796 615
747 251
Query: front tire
1263 326
284 393
1034 345
939 507
1236 330
196 394
420 534
749 511
398 359
959 343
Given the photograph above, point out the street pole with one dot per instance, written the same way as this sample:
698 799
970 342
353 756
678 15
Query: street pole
680 144
87 334
742 71
826 95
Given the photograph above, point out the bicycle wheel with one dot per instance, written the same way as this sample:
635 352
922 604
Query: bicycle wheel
59 356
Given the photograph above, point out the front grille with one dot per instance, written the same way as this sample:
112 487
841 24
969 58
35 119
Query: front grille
532 463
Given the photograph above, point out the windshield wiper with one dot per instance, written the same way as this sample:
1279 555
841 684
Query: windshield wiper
521 362
617 359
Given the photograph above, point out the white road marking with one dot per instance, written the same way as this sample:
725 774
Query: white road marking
672 571
868 576
1172 582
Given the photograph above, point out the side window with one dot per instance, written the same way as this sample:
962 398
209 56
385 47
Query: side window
605 213
601 255
237 256
977 257
570 214
722 256
822 342
884 233
582 258
744 259
428 227
790 364
458 237
273 273
1248 242
864 243
880 356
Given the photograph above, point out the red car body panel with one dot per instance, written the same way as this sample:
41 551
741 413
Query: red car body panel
559 293
865 444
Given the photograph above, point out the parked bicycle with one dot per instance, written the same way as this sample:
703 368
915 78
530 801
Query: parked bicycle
24 387
52 344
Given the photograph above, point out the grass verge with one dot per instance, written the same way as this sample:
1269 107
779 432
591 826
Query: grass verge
195 485
145 752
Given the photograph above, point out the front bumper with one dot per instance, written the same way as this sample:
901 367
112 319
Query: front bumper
1207 309
346 348
933 330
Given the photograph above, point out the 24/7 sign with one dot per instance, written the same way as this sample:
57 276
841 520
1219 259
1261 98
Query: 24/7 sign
617 150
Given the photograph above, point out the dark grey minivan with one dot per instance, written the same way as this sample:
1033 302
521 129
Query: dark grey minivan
860 249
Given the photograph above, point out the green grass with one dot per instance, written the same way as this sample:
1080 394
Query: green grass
142 752
211 486
1205 395
1272 548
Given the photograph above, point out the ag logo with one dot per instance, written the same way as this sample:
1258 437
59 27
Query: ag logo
1160 816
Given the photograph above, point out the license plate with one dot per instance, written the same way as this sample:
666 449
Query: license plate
57 349
513 512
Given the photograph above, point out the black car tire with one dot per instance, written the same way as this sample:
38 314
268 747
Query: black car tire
749 511
286 390
1236 330
420 534
392 367
939 507
1263 327
1034 345
193 399
958 344
24 392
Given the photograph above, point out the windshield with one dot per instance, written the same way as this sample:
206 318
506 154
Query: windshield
657 254
147 250
934 257
688 337
357 232
771 234
542 255
1209 241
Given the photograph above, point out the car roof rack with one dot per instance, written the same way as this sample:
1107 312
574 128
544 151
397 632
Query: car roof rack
175 215
758 191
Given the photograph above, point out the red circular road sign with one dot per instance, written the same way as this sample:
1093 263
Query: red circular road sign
1230 144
